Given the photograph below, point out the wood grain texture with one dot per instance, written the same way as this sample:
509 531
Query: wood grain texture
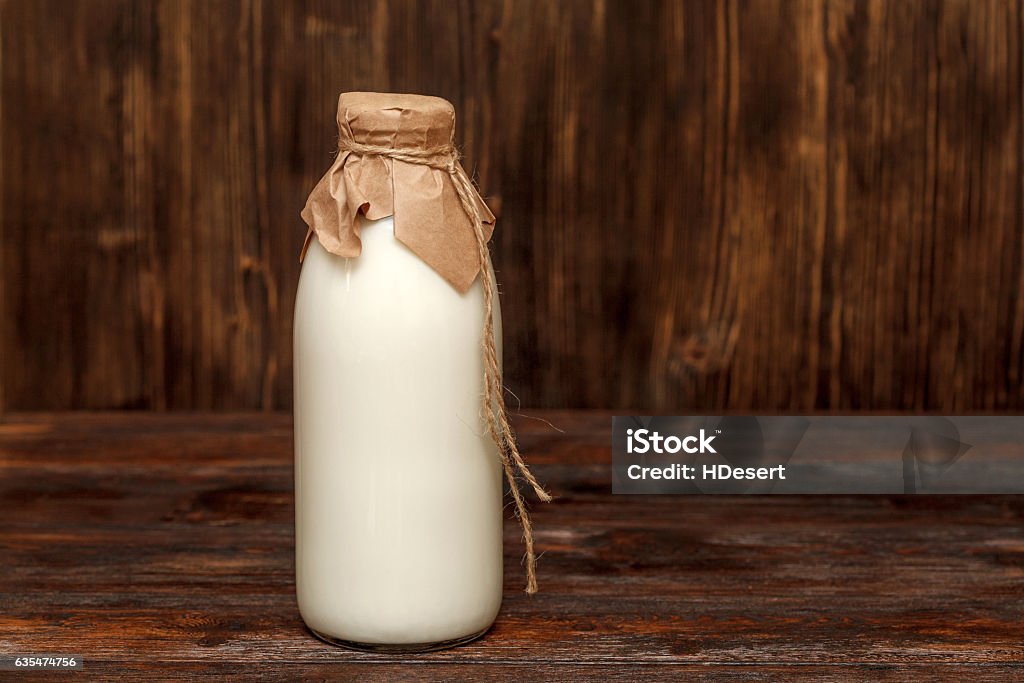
752 204
163 546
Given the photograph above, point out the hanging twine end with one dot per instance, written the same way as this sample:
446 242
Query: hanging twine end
531 571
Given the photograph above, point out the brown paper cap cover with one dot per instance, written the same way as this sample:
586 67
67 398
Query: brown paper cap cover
429 218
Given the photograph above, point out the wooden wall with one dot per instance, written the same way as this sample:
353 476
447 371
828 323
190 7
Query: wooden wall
770 204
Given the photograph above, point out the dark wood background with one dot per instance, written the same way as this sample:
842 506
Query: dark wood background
768 204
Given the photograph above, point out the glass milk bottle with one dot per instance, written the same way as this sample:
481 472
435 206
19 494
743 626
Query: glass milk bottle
398 481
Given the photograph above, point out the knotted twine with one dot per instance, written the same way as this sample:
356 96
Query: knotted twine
446 158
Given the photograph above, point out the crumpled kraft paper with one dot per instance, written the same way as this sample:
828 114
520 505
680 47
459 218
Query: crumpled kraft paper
428 215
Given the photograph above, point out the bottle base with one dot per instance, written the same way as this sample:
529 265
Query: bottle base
404 648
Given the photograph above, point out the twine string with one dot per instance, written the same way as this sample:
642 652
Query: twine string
446 159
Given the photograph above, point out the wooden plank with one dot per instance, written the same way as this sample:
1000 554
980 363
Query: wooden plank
926 224
165 542
385 672
71 325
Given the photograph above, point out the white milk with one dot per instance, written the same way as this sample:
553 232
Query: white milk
398 487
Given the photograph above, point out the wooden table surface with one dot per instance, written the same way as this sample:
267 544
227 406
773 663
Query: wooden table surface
163 545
